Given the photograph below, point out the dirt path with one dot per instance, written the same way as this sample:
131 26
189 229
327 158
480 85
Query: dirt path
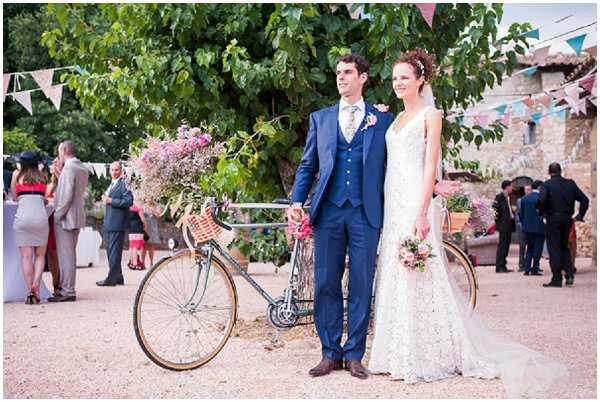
87 349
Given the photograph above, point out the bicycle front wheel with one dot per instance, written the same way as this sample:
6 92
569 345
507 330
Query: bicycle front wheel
462 270
184 311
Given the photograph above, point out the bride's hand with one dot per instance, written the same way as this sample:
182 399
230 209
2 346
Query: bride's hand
382 107
421 227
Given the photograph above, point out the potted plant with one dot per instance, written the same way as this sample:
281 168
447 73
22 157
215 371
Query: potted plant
459 208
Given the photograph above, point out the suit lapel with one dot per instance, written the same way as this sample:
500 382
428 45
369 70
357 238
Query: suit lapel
330 131
368 132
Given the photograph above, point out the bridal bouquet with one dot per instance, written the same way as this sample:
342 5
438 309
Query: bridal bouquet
301 230
414 252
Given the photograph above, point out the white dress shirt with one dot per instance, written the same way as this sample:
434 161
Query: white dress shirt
344 114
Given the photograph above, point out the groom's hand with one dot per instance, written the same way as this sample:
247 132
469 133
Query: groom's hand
296 212
447 188
382 107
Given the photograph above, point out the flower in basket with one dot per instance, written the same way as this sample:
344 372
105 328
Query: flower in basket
482 216
302 230
165 168
414 252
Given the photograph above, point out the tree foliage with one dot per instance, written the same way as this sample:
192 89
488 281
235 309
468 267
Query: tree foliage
258 70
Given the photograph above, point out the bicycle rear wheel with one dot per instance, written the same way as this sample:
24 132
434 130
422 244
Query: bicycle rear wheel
184 311
463 272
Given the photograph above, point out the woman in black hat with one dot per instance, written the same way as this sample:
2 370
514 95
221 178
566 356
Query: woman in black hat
31 220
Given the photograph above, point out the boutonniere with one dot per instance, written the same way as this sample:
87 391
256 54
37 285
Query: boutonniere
371 121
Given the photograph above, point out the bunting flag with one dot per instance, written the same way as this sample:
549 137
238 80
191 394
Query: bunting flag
519 108
501 109
55 95
546 120
6 82
559 94
545 100
506 119
535 34
481 120
529 102
540 55
572 91
583 107
44 80
530 71
577 43
427 10
562 114
536 117
588 83
99 169
593 101
591 50
461 120
24 98
357 10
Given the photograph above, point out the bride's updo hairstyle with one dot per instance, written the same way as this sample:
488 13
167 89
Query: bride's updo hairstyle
421 62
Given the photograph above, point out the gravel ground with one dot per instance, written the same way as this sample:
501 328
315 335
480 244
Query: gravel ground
87 349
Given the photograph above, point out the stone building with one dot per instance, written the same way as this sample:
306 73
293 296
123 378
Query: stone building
528 148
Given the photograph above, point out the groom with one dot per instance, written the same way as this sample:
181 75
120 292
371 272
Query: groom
345 154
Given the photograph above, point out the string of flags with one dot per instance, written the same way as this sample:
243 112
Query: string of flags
531 107
43 79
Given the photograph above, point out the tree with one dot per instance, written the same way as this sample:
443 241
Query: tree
258 70
47 127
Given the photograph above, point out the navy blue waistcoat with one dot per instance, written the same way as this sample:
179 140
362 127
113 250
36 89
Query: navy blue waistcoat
347 176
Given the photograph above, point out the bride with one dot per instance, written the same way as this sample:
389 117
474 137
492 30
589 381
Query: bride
424 329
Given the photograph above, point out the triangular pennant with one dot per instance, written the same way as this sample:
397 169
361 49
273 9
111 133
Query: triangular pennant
6 82
593 101
482 120
461 120
558 94
519 108
99 169
535 34
536 117
529 102
577 43
583 107
44 80
591 50
572 91
545 121
24 98
357 10
540 55
530 71
506 119
545 100
55 95
501 109
562 113
588 82
427 10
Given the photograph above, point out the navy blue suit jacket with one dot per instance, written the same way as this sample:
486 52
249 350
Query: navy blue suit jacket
319 158
528 214
116 214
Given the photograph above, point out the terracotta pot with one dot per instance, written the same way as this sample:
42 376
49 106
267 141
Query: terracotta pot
458 220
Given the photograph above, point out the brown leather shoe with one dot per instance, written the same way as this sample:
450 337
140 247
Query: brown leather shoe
357 369
325 367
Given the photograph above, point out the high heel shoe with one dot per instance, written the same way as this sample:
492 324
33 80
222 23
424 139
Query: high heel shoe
35 290
30 299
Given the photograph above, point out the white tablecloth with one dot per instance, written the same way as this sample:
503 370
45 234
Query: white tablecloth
88 247
15 288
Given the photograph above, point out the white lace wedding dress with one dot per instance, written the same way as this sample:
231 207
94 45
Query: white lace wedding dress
424 328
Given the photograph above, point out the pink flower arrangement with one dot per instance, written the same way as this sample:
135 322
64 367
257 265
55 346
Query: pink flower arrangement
414 252
482 215
301 231
163 168
371 121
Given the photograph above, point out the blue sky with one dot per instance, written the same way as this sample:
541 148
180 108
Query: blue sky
544 15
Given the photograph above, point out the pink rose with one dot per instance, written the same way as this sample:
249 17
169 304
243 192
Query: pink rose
409 259
423 250
404 252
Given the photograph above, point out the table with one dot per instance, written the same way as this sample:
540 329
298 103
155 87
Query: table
88 247
15 289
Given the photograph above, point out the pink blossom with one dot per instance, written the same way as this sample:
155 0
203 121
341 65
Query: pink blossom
423 250
409 259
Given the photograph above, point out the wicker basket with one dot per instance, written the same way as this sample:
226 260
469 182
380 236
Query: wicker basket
458 220
203 227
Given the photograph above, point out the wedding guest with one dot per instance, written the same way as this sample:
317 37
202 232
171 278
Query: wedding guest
137 225
505 225
557 205
31 221
69 217
118 199
53 264
520 234
151 213
533 229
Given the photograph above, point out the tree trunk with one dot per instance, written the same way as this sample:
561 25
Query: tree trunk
287 172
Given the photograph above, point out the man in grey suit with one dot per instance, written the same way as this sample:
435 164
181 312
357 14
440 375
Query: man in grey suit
118 199
69 217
